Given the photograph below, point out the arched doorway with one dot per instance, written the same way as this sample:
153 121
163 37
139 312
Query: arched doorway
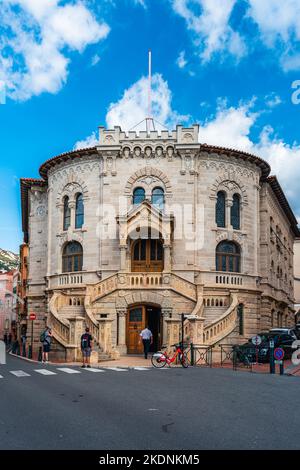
147 255
138 317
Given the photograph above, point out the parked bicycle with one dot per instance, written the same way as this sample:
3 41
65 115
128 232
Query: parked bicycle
161 358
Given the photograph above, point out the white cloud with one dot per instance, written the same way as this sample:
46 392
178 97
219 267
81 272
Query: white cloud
95 60
36 38
231 127
209 22
132 108
279 25
181 60
142 3
90 141
273 100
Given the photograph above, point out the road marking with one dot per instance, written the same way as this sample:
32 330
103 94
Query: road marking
19 373
45 372
1 377
69 371
141 368
117 369
93 369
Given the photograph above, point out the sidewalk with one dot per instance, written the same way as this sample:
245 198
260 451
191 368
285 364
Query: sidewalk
124 361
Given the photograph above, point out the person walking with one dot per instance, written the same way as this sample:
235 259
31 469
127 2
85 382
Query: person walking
46 340
86 348
147 339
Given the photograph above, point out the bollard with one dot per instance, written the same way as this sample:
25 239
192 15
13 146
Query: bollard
2 353
30 352
281 368
272 362
40 358
192 355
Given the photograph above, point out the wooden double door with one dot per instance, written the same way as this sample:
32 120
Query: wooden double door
138 318
147 255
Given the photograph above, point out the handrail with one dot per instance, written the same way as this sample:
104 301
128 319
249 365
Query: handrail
142 280
60 326
220 328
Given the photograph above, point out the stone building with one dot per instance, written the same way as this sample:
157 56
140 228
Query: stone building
144 227
297 277
8 302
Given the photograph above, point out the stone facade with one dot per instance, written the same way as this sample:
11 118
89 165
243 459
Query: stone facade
191 175
297 277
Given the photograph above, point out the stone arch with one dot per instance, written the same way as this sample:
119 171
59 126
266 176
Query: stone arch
70 189
144 297
231 184
144 172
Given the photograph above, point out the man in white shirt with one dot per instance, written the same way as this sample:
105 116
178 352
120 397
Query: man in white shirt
147 339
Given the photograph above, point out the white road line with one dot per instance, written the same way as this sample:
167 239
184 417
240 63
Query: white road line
45 372
141 368
1 377
117 369
19 373
93 369
69 371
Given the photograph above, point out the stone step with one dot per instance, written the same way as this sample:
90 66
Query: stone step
212 314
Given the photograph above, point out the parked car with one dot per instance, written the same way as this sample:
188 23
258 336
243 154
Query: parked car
281 340
288 331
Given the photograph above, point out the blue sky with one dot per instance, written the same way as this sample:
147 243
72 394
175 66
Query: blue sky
69 66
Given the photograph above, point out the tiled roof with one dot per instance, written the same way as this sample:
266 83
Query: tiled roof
27 183
73 154
277 190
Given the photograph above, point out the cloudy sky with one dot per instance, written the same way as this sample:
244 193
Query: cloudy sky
69 66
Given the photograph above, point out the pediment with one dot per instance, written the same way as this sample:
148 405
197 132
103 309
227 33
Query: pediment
141 219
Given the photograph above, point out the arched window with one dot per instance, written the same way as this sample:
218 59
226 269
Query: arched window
79 215
72 257
235 212
228 255
220 209
158 198
240 314
138 195
67 213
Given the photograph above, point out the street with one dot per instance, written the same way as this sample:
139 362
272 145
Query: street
148 409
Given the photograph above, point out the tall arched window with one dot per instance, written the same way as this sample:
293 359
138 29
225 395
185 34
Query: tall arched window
158 198
138 196
235 212
220 209
240 314
72 257
67 213
79 215
228 256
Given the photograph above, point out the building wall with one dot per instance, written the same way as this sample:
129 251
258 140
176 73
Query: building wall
191 178
297 276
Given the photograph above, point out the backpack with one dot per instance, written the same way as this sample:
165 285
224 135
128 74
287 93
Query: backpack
43 336
85 343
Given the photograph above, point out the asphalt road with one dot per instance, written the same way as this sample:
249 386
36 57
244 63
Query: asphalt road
172 409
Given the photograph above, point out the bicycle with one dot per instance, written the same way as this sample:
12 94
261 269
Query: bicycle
160 358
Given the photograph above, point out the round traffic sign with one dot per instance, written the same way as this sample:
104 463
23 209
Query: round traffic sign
256 340
279 354
32 316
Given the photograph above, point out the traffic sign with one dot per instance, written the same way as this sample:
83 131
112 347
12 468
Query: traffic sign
256 340
32 316
278 354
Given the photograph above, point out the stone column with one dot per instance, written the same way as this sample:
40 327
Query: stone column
167 258
121 346
228 213
166 314
123 256
72 206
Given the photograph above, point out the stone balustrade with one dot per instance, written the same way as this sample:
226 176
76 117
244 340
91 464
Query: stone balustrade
224 325
143 281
